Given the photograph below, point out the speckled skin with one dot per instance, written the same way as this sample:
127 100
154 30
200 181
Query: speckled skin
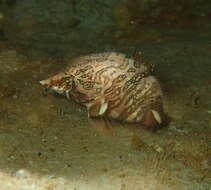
113 86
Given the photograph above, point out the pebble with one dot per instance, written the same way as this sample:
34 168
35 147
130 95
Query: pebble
27 187
22 174
209 111
15 96
61 181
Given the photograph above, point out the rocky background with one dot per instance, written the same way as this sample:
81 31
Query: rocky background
36 22
48 143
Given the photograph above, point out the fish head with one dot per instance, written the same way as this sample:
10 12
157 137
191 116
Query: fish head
61 83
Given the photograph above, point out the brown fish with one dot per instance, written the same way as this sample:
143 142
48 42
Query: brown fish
112 85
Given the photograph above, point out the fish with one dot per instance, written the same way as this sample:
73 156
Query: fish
112 85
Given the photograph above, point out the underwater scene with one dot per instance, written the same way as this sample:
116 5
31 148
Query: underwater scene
105 95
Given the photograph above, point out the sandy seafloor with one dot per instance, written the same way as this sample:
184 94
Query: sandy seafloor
48 143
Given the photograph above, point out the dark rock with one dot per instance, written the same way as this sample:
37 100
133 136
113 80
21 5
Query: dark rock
51 24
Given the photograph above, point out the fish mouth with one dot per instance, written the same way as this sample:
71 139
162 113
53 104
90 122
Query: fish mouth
49 88
55 90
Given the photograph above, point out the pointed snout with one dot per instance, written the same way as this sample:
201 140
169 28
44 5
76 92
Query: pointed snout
45 82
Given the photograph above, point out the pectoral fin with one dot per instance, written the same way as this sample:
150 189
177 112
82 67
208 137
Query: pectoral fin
97 109
152 120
